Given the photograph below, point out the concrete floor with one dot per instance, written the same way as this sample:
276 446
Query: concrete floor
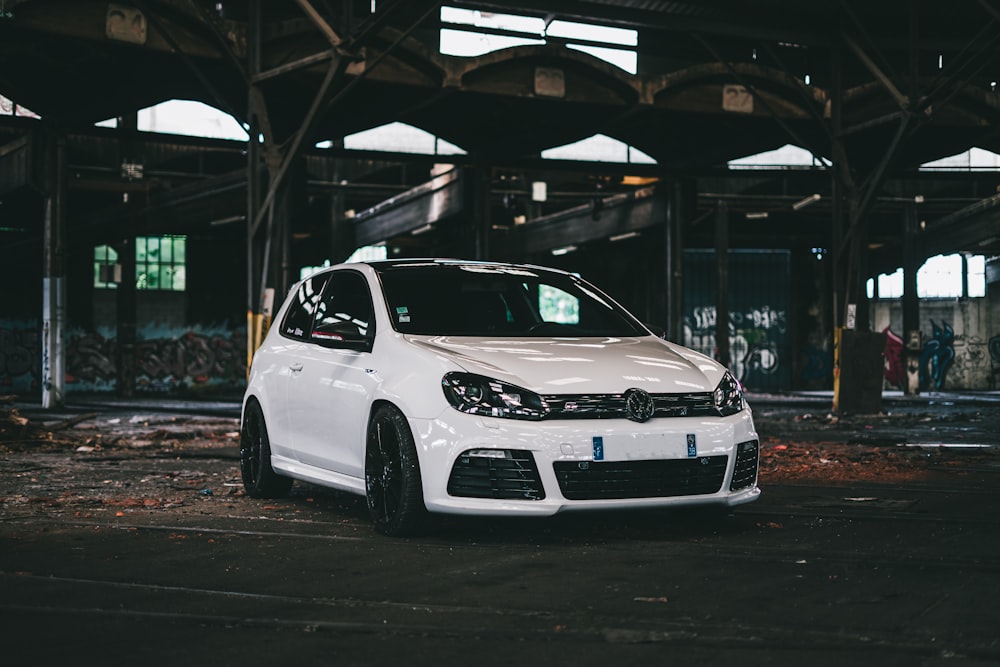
126 536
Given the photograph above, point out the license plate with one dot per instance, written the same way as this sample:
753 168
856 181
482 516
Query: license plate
644 447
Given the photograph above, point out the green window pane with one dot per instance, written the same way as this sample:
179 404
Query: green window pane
166 281
179 249
166 248
153 248
106 254
140 249
180 278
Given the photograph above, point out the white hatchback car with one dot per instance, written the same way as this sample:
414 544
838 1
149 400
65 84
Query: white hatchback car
485 388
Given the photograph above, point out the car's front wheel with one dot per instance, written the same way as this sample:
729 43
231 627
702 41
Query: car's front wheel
259 478
392 475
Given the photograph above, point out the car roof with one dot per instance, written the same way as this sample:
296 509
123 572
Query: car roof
389 264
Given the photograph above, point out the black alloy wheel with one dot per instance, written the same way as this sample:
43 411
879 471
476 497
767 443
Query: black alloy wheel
259 478
392 475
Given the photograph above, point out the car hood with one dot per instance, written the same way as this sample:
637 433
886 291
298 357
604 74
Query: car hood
580 365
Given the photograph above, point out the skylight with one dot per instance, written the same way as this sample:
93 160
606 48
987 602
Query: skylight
471 45
599 148
788 156
189 118
9 107
400 138
973 159
492 32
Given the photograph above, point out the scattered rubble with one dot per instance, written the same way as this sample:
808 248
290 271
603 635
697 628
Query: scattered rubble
110 462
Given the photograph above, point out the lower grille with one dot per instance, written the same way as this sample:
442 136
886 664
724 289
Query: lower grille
609 480
745 471
514 476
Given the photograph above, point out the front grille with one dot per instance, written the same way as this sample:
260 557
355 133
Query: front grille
612 406
745 471
607 480
513 477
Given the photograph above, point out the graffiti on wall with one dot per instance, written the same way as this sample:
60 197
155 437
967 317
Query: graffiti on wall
894 370
817 365
165 360
970 362
755 338
937 357
20 356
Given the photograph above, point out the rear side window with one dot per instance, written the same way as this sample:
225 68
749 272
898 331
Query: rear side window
298 320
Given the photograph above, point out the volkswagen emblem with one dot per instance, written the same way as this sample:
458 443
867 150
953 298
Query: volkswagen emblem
638 405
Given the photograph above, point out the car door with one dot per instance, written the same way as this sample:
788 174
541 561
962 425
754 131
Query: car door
280 360
329 397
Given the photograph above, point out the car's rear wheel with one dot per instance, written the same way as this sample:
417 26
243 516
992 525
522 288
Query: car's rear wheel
259 478
392 475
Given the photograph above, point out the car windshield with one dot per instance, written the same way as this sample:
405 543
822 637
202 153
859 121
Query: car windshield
504 301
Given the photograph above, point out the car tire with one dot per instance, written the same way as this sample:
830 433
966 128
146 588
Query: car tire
393 488
259 478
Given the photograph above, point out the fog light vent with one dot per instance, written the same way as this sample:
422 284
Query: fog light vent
745 471
508 474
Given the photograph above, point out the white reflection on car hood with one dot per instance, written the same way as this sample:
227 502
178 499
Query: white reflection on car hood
579 365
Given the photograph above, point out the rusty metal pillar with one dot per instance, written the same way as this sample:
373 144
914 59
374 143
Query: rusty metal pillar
722 284
54 278
256 185
476 184
912 344
841 185
674 264
341 243
125 313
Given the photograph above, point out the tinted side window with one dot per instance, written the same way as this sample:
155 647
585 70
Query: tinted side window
345 311
298 320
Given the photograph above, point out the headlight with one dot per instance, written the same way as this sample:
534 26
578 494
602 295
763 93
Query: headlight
479 395
728 396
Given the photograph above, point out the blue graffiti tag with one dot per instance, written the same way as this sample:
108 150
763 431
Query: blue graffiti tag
937 357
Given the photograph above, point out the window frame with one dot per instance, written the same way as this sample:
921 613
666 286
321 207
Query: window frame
364 342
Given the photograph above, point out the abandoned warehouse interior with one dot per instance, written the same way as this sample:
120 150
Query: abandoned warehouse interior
612 138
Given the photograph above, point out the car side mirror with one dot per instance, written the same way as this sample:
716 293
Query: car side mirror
343 336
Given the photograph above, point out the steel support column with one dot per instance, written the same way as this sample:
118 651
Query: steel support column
476 193
912 344
722 285
54 278
125 312
674 265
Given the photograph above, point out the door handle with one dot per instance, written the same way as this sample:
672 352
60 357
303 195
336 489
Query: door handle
295 368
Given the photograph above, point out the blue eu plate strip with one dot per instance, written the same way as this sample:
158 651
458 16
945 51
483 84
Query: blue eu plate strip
598 448
692 446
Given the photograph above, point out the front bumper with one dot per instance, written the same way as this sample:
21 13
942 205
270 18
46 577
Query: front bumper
479 465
